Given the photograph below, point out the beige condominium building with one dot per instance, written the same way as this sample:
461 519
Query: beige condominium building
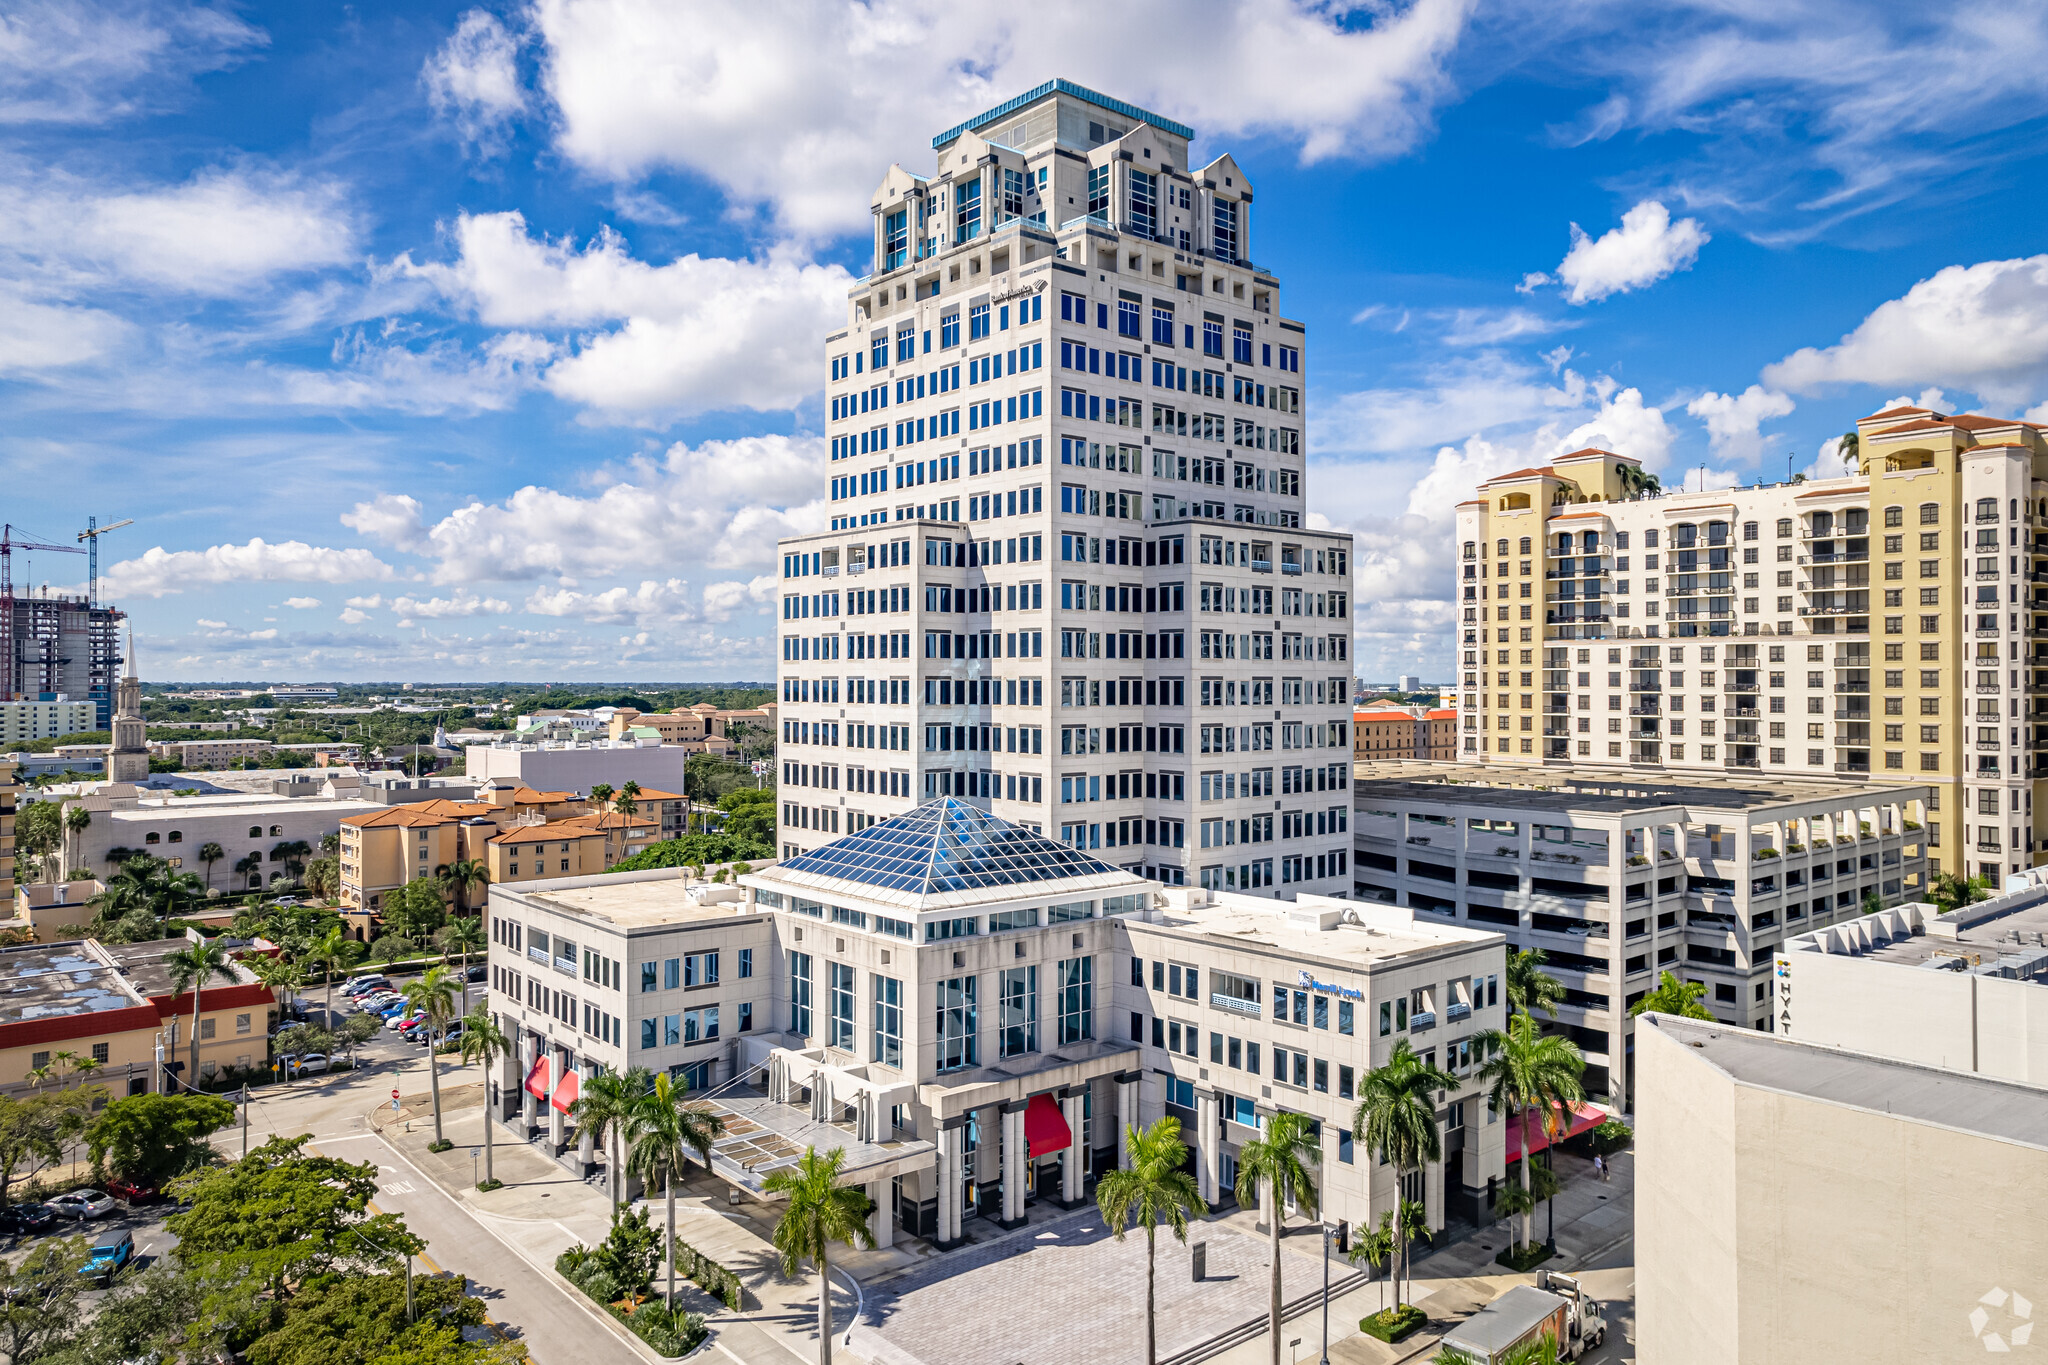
1879 625
1067 576
1796 1202
22 722
974 1012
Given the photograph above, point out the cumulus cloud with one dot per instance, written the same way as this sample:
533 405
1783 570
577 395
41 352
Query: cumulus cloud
723 601
473 79
1735 421
215 234
795 106
211 625
393 518
651 604
160 572
1646 247
650 341
445 608
1982 328
722 503
302 603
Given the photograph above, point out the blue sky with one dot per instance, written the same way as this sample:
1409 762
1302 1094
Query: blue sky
453 342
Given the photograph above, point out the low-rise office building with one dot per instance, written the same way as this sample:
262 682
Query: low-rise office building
516 833
579 766
1618 877
975 1012
257 834
197 755
1394 732
1967 991
22 722
1796 1202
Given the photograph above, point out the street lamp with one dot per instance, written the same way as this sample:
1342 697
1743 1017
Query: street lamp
1550 1208
1327 1230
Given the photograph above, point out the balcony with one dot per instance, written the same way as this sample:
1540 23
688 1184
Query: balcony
1422 1021
1457 1010
1232 1003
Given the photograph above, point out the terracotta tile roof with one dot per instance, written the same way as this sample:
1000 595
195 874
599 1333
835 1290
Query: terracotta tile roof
1596 453
414 814
650 794
1964 422
1521 474
1895 412
1380 715
528 796
1443 715
541 834
610 819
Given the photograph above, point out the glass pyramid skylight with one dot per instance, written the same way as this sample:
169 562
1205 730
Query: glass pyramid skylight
947 846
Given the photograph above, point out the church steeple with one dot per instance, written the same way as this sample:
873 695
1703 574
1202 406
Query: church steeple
129 759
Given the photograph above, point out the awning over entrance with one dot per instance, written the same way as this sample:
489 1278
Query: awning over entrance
1583 1118
1045 1127
566 1093
537 1079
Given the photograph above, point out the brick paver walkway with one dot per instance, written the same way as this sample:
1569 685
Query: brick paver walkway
1066 1293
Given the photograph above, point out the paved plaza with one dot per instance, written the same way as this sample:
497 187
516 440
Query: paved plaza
1070 1294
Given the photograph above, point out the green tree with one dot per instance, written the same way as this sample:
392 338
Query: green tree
416 909
433 994
1530 988
601 795
463 935
1673 996
1396 1120
660 1133
820 1212
465 873
39 1307
35 1129
1152 1188
279 1220
39 833
192 967
1950 893
323 877
77 819
358 1029
151 1138
359 1319
483 1043
1529 1070
247 866
126 907
333 951
1273 1171
209 854
604 1103
178 894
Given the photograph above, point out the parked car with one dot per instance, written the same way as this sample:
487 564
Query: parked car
477 972
133 1192
311 1064
82 1204
400 1017
378 1001
27 1219
454 1033
109 1255
361 985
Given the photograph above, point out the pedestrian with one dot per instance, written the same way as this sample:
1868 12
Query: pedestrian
1600 1167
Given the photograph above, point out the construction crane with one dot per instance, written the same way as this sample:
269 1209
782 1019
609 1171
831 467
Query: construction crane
9 543
91 537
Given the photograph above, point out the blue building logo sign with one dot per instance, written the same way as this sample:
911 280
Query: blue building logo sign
1331 987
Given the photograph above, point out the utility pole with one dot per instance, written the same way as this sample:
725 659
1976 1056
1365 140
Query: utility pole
245 1120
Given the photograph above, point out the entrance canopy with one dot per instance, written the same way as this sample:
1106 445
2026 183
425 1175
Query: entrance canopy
1045 1127
537 1079
1583 1118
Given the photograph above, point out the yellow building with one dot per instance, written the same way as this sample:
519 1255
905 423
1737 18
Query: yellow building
385 849
1881 624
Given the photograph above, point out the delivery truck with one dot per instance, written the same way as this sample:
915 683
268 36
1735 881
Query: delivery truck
1555 1306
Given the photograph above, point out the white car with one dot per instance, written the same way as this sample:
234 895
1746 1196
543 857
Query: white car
378 1002
82 1204
310 1064
364 985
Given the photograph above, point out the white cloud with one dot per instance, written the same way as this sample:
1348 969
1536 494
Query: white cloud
723 601
1829 462
160 571
473 79
651 604
1457 397
798 107
218 233
446 608
302 603
1626 426
697 334
722 503
352 616
1981 328
1646 247
393 518
75 62
1492 326
36 337
1735 421
211 625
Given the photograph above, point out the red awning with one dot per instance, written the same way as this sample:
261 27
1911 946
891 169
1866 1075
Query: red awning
1045 1127
566 1092
537 1079
1583 1118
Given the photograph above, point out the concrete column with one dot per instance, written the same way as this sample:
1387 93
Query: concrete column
1209 1123
1077 1150
1126 1115
1013 1163
557 1121
882 1222
529 1113
586 1146
950 1178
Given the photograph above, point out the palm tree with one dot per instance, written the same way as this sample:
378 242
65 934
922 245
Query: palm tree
661 1132
483 1043
1530 1070
277 973
603 1104
192 967
248 866
434 995
293 854
334 949
1152 1188
601 795
177 892
1280 1162
464 936
1530 988
465 873
209 854
1396 1120
76 819
1673 996
628 799
1375 1246
820 1212
1951 893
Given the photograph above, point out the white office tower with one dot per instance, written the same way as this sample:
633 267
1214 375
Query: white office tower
1067 578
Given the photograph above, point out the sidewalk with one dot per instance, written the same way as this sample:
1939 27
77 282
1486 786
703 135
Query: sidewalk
543 1209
